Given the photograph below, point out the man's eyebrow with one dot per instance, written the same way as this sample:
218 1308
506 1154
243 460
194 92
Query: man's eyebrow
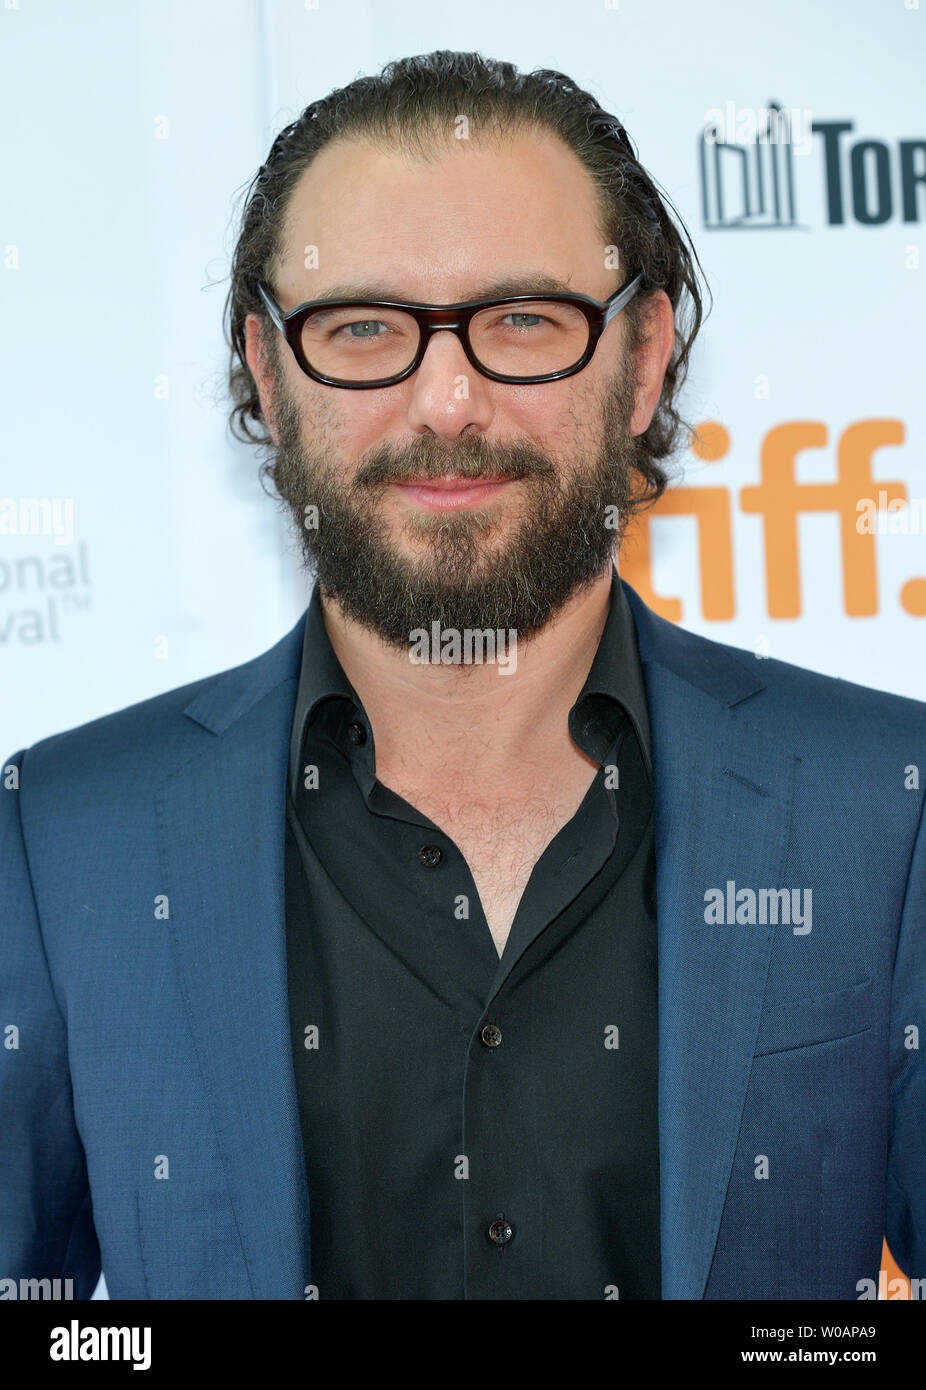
491 289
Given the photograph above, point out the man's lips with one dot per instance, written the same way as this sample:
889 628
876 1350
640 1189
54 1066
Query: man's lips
448 493
448 482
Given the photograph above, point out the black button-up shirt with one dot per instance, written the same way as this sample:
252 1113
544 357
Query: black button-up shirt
474 1126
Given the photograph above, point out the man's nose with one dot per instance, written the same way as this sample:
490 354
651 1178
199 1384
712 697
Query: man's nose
448 394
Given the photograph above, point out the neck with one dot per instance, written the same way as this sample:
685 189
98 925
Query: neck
444 722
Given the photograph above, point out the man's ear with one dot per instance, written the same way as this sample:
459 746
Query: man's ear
652 358
256 354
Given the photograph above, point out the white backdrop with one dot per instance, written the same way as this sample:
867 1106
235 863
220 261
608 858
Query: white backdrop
128 129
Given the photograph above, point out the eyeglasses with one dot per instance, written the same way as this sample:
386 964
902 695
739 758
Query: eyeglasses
362 344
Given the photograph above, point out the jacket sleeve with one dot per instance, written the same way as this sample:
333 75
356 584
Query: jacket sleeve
906 1170
46 1219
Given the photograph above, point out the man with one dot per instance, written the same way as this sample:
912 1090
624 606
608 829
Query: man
336 974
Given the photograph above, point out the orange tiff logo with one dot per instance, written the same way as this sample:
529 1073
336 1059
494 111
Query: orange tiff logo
779 499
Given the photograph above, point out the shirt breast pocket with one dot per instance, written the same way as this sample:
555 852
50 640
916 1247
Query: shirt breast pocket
817 1019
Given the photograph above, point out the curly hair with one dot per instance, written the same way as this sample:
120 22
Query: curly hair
412 104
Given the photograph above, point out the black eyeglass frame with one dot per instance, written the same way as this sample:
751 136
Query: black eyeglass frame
454 318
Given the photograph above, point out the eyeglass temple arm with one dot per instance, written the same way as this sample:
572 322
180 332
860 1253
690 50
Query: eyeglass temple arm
272 308
624 298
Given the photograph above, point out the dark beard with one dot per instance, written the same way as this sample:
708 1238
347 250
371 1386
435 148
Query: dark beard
563 539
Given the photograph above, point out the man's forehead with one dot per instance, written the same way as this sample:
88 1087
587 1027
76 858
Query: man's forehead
495 286
474 217
526 152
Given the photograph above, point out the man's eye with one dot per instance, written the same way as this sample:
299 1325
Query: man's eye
536 317
363 324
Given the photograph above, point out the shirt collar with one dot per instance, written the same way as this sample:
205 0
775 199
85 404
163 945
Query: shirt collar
614 683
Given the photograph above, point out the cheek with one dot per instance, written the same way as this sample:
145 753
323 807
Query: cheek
561 417
538 410
354 422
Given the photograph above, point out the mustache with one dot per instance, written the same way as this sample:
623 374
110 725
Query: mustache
469 459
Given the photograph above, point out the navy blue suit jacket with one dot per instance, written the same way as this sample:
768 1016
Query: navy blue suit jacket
143 998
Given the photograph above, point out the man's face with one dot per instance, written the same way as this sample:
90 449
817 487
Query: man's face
510 555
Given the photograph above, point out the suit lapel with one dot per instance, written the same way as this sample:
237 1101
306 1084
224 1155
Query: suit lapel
723 806
221 830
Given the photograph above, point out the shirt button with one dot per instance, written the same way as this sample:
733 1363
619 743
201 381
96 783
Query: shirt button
491 1035
500 1231
356 733
430 855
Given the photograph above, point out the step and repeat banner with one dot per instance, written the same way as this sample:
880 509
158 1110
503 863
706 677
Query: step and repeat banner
138 551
